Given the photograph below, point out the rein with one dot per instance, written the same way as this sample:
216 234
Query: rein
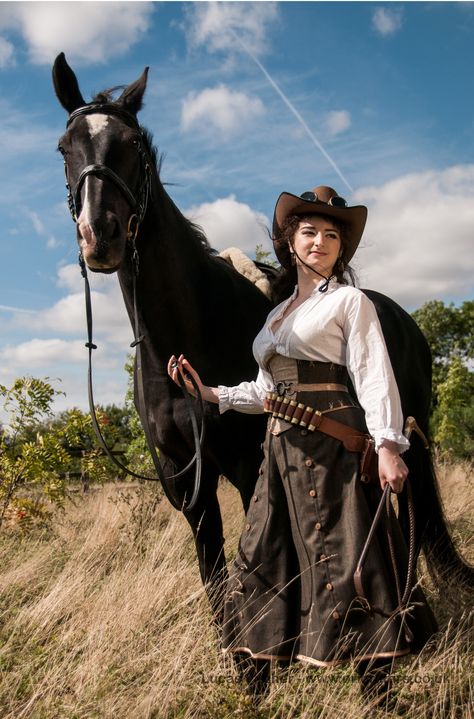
138 205
385 503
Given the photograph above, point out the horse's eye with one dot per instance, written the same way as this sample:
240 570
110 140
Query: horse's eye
62 150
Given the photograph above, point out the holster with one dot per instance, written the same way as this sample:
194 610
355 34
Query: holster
369 462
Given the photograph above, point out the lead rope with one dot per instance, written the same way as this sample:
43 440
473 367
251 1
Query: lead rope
198 436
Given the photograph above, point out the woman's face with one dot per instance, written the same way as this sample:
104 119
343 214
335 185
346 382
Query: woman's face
318 243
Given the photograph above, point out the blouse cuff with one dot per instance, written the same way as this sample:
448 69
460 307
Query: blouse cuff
224 398
393 436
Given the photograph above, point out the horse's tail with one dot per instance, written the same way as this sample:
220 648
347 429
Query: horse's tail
445 564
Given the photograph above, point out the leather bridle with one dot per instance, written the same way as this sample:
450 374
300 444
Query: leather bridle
138 202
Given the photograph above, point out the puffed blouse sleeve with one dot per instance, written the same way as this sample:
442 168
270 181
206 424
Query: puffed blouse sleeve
370 370
247 397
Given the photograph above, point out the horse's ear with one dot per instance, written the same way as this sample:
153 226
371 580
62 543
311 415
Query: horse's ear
66 85
132 97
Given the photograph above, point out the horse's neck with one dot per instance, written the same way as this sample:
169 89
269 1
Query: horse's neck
169 284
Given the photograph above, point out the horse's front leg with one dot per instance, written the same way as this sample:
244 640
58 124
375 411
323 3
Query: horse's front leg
205 521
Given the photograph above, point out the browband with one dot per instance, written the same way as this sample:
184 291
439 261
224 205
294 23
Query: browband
106 109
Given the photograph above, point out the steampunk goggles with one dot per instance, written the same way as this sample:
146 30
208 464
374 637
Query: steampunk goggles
334 201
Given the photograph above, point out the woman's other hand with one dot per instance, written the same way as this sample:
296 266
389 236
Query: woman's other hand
392 468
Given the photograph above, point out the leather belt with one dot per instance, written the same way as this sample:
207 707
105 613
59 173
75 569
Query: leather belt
289 388
312 419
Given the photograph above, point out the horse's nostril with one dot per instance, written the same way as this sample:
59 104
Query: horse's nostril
107 228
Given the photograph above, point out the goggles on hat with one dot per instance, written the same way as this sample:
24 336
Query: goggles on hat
334 201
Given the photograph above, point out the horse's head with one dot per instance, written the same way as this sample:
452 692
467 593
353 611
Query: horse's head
107 167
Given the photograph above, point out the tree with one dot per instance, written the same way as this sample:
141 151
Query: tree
264 256
28 455
450 334
137 453
454 414
39 452
449 331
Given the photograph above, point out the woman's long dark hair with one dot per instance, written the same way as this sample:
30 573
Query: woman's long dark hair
285 284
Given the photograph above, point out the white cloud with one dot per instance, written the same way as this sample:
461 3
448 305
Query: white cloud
59 335
219 108
387 22
87 31
6 53
51 241
418 242
228 223
36 222
337 121
69 277
22 136
42 353
67 315
213 23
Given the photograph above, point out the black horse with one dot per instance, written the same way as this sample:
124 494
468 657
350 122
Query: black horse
191 301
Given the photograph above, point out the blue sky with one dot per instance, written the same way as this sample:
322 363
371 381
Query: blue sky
245 100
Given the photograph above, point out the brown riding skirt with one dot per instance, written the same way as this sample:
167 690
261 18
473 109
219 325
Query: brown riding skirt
291 593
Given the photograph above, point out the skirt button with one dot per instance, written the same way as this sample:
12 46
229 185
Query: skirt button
247 526
336 615
312 493
309 462
329 587
318 525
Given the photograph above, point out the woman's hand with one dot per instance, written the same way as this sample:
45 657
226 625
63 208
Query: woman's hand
392 468
182 367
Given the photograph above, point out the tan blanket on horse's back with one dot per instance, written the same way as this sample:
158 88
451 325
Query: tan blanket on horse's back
246 267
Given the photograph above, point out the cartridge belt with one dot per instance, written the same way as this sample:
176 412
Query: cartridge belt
313 419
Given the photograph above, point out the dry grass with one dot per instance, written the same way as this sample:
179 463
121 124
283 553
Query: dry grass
106 617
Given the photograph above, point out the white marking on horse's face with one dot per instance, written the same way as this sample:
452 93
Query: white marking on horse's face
96 123
83 221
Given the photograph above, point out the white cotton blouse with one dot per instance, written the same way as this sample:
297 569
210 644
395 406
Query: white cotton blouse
340 326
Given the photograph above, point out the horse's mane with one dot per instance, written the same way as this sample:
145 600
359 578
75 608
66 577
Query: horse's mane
157 158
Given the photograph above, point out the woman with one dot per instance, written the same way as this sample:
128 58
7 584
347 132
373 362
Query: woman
291 594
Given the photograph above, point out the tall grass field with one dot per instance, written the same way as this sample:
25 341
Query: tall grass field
104 616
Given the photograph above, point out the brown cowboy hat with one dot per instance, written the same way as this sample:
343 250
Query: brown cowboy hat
321 200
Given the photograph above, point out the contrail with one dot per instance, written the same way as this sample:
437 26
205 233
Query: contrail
295 112
7 308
